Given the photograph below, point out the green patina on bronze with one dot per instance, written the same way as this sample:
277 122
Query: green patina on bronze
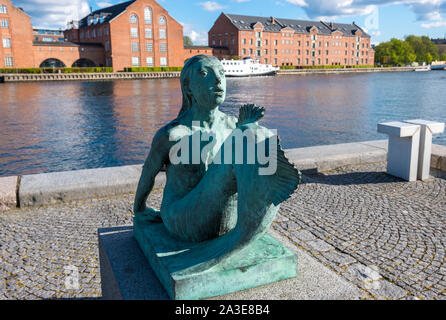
213 216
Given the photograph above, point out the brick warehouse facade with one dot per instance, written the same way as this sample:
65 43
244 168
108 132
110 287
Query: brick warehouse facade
16 35
285 42
135 33
21 49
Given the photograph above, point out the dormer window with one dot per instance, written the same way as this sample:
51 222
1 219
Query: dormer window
90 20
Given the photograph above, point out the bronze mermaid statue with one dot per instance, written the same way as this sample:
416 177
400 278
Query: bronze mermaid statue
224 198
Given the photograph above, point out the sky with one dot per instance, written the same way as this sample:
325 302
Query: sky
382 19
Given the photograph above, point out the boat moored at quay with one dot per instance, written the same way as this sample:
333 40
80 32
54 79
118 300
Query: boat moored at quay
247 67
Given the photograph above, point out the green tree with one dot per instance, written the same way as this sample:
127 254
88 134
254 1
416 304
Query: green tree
422 46
443 57
428 58
188 41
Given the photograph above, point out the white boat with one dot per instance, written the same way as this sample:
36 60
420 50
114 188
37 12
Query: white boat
427 68
247 67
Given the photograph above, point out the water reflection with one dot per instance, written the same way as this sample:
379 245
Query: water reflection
46 127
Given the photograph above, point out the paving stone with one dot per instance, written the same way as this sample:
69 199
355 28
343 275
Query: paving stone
354 216
303 235
339 258
320 245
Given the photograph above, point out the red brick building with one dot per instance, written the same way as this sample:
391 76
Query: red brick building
191 51
285 42
136 33
48 35
16 35
23 47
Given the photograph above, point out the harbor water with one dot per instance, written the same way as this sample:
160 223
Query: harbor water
60 126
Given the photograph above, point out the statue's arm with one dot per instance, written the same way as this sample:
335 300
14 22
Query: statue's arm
156 159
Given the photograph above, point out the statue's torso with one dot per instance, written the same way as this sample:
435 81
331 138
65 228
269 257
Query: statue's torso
184 177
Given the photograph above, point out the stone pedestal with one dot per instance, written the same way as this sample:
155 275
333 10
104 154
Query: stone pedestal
127 275
428 128
262 262
404 142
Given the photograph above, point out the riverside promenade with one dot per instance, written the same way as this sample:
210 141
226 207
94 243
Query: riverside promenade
17 77
358 232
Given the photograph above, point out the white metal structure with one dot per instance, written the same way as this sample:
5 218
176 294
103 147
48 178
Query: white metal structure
247 68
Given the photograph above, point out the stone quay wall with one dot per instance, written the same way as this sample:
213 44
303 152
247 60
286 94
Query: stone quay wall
346 70
87 76
50 188
172 74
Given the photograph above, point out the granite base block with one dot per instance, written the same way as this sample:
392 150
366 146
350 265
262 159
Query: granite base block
126 274
262 262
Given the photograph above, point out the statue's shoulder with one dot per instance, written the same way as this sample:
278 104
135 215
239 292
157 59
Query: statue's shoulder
175 130
229 120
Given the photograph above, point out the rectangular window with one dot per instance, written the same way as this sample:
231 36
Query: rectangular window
106 31
134 32
9 62
135 61
6 43
149 47
149 61
163 47
135 46
3 9
5 24
99 33
107 46
163 34
163 61
148 33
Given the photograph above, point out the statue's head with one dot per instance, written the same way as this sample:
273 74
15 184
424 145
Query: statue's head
203 82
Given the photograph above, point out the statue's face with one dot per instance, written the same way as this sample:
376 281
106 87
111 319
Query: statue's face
208 83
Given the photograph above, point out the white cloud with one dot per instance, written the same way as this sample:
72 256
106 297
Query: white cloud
211 6
316 9
53 13
437 24
104 4
199 37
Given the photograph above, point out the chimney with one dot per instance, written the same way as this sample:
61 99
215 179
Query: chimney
331 25
273 20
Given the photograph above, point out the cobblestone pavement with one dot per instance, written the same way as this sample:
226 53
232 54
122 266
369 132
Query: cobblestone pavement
386 236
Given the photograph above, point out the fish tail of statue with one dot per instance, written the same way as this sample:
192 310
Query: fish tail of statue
262 194
259 198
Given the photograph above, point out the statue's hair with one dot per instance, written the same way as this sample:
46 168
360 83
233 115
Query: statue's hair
186 77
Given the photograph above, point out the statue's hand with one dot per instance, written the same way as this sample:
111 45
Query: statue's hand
149 215
250 113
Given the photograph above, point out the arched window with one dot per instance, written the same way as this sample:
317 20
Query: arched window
162 21
52 63
148 16
133 18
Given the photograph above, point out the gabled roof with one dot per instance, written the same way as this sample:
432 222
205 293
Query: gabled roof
109 13
242 22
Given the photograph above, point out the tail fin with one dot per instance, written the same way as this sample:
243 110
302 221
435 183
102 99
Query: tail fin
250 113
